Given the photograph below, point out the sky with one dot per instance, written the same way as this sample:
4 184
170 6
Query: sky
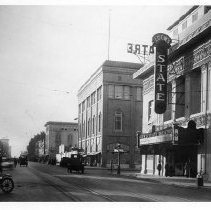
47 52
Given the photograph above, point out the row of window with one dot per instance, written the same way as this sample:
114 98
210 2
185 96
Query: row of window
123 92
89 127
195 92
86 129
90 100
184 24
58 139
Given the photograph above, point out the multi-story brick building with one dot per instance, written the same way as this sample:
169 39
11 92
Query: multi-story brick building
189 100
58 133
110 112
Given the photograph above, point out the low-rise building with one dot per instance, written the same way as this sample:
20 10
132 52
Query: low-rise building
57 133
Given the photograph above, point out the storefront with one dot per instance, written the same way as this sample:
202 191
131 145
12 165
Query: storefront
176 148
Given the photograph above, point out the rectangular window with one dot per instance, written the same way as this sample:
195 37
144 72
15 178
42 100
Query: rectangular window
99 122
111 91
83 106
184 25
88 102
93 96
93 125
150 107
195 92
99 94
88 127
194 17
138 94
180 97
126 92
119 92
118 122
167 114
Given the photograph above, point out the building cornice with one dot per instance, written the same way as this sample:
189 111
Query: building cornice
60 123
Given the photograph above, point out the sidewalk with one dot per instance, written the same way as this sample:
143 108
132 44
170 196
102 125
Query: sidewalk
177 181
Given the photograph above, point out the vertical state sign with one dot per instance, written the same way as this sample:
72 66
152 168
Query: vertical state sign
162 42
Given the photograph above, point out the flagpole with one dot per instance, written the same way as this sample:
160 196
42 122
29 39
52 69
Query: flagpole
109 33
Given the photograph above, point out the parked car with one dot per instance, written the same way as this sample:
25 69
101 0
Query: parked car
7 162
64 161
76 163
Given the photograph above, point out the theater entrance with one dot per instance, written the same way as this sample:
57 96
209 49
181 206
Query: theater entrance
183 160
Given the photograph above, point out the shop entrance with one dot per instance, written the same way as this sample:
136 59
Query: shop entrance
183 160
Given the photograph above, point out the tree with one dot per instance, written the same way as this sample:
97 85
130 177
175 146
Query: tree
31 148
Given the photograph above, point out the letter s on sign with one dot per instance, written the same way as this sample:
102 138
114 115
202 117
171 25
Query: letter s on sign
161 58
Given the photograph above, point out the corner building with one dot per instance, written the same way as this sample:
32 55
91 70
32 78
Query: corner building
110 112
167 137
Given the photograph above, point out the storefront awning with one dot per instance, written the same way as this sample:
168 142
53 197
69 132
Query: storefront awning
93 153
175 135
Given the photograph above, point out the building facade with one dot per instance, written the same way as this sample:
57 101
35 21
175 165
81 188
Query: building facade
182 134
110 112
58 133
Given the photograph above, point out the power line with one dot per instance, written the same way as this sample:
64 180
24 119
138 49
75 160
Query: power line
40 87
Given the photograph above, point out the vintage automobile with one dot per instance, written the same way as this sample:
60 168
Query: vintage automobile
23 160
7 163
75 163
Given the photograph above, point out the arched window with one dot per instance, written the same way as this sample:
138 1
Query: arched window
118 121
58 139
93 124
70 140
99 122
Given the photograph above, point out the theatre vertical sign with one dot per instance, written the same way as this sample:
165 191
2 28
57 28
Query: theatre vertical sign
161 42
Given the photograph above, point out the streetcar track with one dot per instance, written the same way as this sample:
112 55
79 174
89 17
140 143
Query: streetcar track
69 194
95 193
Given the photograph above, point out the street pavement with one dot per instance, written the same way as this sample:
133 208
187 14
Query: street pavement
42 182
175 180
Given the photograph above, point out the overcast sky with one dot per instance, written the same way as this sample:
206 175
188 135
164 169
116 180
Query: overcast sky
48 52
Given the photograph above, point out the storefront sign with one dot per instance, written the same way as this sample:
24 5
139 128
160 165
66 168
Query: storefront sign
112 147
156 137
162 43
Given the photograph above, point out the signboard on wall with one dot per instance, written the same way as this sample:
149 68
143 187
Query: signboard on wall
162 43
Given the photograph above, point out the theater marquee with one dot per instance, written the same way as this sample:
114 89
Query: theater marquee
162 43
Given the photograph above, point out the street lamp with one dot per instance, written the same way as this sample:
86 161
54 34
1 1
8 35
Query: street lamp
119 151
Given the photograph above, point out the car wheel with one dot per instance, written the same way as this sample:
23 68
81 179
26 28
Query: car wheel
7 185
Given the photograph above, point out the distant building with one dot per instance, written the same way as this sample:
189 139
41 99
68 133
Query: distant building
165 137
5 148
58 133
110 112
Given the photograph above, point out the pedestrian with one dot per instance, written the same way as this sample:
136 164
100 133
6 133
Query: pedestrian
186 169
112 165
159 168
15 162
166 169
